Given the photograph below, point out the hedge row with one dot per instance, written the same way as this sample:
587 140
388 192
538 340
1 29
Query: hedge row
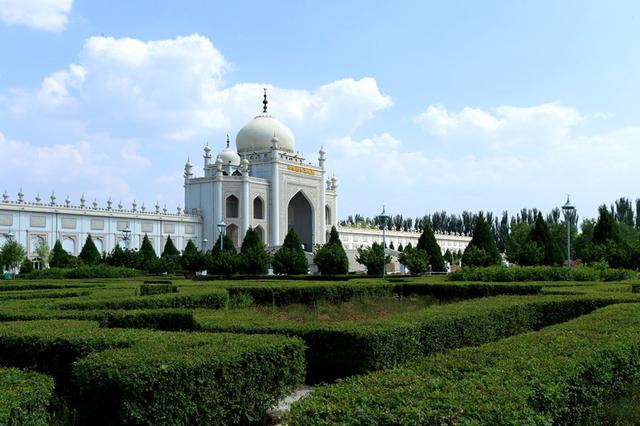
46 286
151 289
156 319
280 295
562 375
342 349
126 376
85 272
24 397
541 273
212 299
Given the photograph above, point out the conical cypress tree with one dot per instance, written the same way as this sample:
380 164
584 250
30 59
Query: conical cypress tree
482 249
541 235
331 258
170 249
429 245
254 259
606 227
290 258
89 253
59 258
148 253
227 244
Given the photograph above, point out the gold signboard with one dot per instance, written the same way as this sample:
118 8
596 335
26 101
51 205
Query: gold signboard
299 169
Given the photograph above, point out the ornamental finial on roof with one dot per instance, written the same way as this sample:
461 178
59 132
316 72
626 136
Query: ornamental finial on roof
227 140
265 101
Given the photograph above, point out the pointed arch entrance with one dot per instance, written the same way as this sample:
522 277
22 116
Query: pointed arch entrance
300 218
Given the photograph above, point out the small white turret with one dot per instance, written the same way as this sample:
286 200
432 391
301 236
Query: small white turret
52 197
321 157
207 156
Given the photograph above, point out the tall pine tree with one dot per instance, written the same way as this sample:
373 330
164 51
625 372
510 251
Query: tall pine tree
170 249
254 259
430 246
290 258
331 259
482 249
89 253
148 253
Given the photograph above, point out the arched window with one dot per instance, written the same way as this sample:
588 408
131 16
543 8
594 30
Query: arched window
35 243
258 208
327 215
69 245
232 206
232 232
236 173
260 233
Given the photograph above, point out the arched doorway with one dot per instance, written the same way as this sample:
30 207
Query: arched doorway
300 218
258 208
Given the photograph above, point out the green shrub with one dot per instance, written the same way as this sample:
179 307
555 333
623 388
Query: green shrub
562 375
331 259
24 397
635 288
290 258
354 347
151 289
156 319
125 376
213 299
83 272
540 273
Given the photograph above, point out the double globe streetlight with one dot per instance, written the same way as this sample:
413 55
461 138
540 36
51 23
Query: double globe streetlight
569 212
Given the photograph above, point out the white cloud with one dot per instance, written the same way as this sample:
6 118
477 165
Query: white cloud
49 15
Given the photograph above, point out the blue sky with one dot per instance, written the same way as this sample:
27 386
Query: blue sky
423 106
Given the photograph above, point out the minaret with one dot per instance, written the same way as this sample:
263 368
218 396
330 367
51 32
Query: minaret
217 199
207 157
322 205
244 205
274 217
188 173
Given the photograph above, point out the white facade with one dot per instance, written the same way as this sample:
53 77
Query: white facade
264 185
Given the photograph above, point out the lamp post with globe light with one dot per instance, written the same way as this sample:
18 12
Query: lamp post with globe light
383 224
221 227
126 236
569 212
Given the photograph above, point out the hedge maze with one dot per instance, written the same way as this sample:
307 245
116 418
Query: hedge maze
179 352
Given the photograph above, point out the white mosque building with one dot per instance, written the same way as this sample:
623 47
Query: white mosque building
263 184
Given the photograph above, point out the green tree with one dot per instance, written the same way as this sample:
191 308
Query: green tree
43 252
147 253
11 255
482 249
170 249
254 259
373 258
606 227
400 248
227 244
223 262
428 244
541 236
290 258
89 253
192 259
331 258
414 259
59 258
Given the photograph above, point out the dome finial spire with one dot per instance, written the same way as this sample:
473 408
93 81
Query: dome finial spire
227 140
265 102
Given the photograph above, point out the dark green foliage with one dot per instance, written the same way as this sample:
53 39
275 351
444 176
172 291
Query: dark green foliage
227 244
212 299
222 262
540 273
89 253
11 255
147 253
290 258
400 247
254 259
482 249
606 228
170 249
25 397
563 375
414 259
428 244
167 264
355 347
373 258
154 319
192 259
59 258
26 266
98 271
331 259
151 289
117 376
124 257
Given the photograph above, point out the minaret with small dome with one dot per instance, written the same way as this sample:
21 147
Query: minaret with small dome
263 184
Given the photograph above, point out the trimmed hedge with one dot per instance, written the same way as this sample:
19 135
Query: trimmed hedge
541 273
126 376
562 375
24 397
151 289
635 288
213 299
346 348
157 319
271 295
85 272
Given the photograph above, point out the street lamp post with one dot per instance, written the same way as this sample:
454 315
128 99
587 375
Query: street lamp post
9 236
126 236
383 223
569 213
204 244
221 227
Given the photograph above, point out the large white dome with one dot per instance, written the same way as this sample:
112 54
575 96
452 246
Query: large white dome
258 133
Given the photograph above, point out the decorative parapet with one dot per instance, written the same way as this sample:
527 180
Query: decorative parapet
411 233
83 207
